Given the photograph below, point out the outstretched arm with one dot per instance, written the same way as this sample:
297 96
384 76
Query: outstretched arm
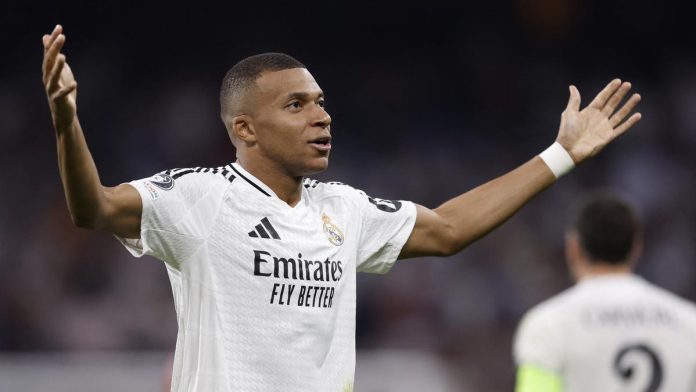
114 209
583 133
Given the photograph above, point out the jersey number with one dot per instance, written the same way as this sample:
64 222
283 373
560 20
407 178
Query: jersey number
624 368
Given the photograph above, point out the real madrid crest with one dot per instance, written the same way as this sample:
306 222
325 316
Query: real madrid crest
332 232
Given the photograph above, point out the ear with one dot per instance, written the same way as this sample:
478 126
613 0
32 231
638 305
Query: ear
571 244
574 254
242 128
636 250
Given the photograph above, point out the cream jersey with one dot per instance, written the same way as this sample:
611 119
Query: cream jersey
612 333
265 293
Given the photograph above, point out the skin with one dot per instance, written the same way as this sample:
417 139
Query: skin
91 205
273 140
272 134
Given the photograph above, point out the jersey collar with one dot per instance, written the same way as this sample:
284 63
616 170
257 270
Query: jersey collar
253 181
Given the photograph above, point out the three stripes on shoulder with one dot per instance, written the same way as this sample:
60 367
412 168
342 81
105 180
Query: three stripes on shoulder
223 171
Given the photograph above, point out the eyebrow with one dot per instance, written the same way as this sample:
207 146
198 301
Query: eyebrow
302 96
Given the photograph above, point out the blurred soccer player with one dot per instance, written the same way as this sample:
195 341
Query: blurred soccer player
612 331
262 261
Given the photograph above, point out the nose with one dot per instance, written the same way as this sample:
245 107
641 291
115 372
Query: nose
322 118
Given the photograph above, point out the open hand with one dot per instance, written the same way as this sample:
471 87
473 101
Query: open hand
58 79
583 133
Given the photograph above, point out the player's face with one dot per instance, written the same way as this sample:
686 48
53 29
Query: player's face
291 125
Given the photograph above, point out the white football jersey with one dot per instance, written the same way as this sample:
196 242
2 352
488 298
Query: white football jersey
265 292
612 333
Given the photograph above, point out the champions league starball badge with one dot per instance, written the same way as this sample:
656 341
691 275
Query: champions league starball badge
162 181
332 232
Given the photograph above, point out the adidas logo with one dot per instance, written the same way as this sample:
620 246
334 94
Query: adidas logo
264 230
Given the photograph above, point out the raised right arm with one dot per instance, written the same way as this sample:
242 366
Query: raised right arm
92 205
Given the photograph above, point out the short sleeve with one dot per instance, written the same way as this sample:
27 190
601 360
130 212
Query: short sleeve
385 226
538 342
176 217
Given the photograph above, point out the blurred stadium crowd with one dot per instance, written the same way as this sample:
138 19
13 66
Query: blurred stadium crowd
428 99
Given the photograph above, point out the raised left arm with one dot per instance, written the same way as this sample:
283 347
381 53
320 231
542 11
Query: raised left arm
583 133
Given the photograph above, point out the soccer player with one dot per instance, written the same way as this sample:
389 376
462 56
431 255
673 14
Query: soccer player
612 331
263 261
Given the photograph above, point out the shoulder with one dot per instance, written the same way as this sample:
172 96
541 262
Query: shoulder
222 174
358 197
548 313
194 178
184 183
550 307
685 308
540 336
329 187
321 190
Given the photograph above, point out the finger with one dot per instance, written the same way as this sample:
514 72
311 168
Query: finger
615 99
56 72
54 34
601 98
53 50
47 42
625 110
52 53
57 44
574 99
627 124
65 91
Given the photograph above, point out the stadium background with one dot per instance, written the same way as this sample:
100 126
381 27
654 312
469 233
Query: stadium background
428 99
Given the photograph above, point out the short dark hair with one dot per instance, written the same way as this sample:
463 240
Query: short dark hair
607 226
244 74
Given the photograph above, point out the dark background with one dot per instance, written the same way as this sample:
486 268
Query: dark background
428 99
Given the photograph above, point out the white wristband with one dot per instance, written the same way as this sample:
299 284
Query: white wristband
557 159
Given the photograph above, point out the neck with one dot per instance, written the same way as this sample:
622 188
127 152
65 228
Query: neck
287 187
592 270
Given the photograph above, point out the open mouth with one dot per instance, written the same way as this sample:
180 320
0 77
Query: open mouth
321 143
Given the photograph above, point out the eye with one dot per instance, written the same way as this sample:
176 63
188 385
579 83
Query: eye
321 103
294 105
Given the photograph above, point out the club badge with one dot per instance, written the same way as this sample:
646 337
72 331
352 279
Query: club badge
332 232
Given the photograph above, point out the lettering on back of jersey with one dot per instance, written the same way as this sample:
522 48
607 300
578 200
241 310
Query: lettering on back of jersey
633 316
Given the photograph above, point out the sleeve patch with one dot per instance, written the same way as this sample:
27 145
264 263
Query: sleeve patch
385 205
162 181
154 195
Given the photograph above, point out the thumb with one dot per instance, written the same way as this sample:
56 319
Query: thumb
574 100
